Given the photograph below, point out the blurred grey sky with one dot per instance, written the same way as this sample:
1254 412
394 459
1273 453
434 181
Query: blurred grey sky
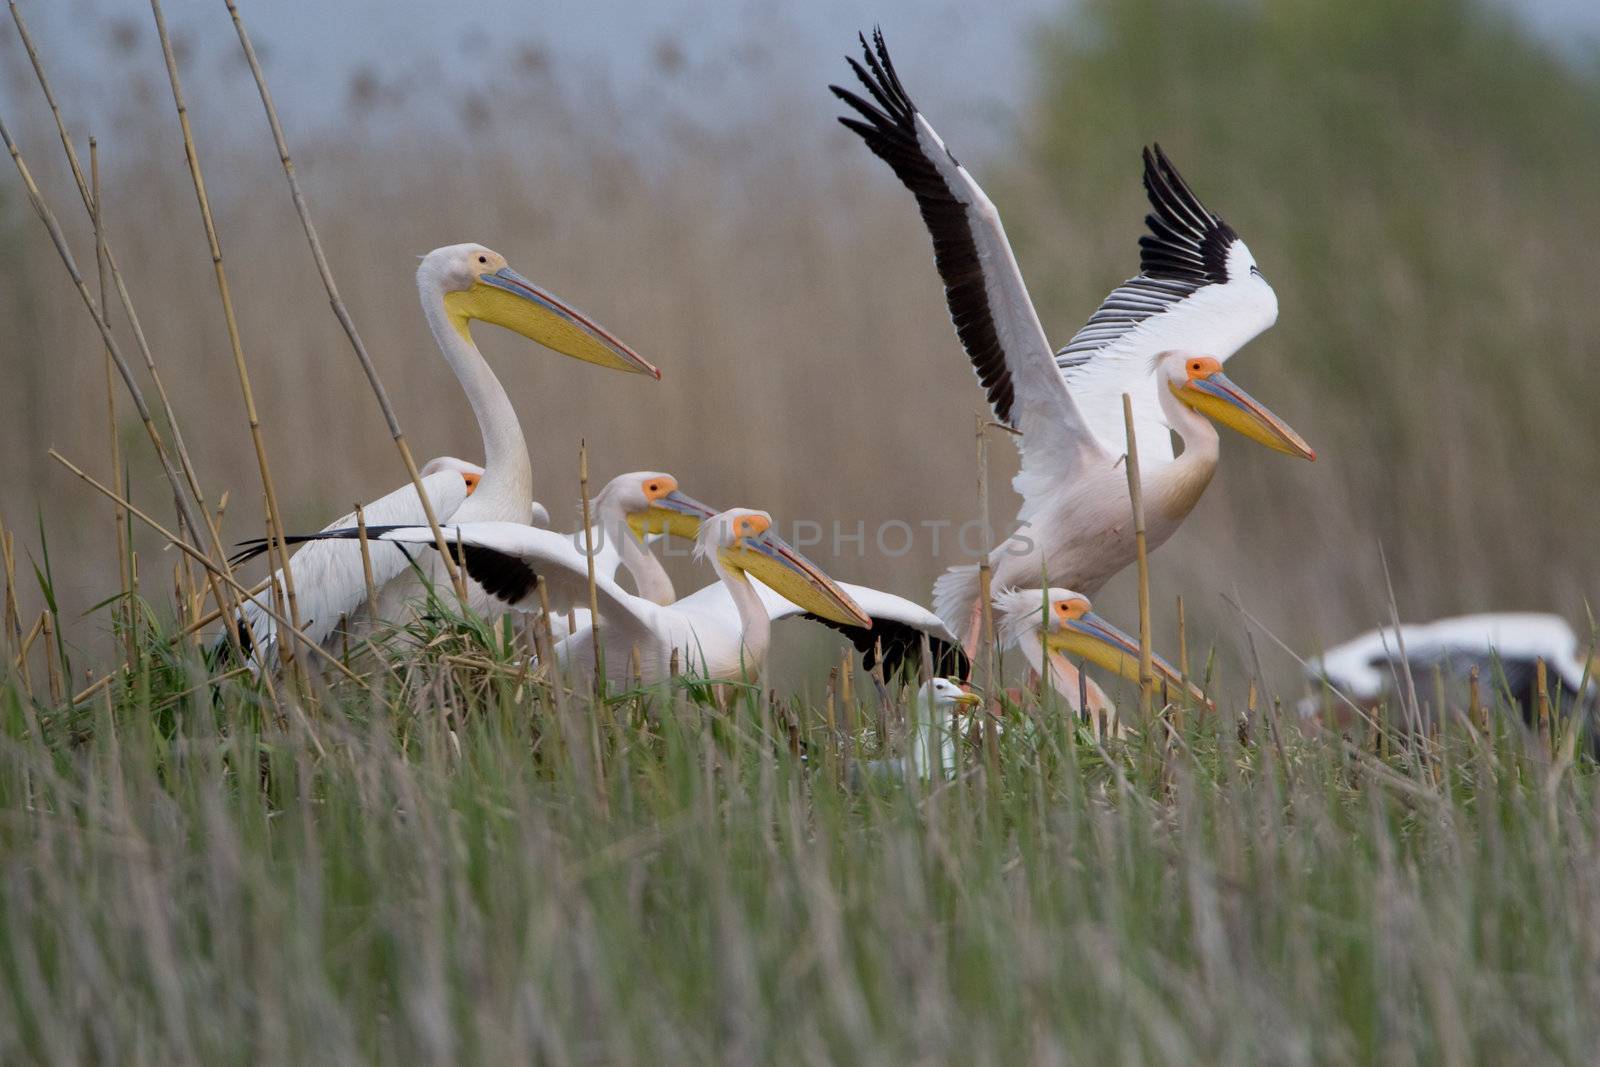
415 59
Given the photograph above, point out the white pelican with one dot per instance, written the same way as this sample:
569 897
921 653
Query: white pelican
1049 625
508 559
1505 647
1161 336
458 285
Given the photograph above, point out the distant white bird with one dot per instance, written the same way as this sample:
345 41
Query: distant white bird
1504 647
939 718
1050 625
457 285
1161 337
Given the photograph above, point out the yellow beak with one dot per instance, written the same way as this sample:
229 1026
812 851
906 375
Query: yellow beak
795 578
1217 398
505 298
1092 638
676 513
969 700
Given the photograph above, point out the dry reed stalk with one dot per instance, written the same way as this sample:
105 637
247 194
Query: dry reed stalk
991 739
340 312
1475 709
199 557
113 443
276 548
1141 548
1183 667
588 553
186 511
47 636
847 699
92 205
1542 699
366 558
13 619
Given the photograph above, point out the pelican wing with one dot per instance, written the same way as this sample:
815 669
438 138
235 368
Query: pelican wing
898 626
1198 289
508 559
328 580
988 301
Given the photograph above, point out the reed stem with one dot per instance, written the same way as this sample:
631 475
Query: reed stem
1141 548
340 312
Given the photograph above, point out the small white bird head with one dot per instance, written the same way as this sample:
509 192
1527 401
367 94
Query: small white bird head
472 282
743 542
942 694
1198 382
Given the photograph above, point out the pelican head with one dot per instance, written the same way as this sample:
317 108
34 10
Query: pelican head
1071 627
743 541
652 504
472 474
1198 382
476 283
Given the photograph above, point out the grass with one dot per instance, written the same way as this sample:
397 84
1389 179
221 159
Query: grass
457 858
446 873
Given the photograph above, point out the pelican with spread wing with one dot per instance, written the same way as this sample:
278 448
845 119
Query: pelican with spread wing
458 285
1160 337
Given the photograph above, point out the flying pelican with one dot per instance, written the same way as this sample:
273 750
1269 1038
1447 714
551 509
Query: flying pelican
458 285
1048 625
1161 337
509 559
1507 646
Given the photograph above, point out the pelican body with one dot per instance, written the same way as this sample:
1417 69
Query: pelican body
1160 337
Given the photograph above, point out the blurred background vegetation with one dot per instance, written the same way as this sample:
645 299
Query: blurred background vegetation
1416 180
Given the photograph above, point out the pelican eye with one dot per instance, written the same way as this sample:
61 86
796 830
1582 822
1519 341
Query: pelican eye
483 259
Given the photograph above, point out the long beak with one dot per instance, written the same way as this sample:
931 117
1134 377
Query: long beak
676 513
795 578
507 299
1092 638
1219 399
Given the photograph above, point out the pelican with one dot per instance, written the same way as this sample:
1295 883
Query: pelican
1048 625
1161 337
1505 647
458 285
508 560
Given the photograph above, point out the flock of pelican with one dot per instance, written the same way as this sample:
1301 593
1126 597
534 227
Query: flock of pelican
1161 337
